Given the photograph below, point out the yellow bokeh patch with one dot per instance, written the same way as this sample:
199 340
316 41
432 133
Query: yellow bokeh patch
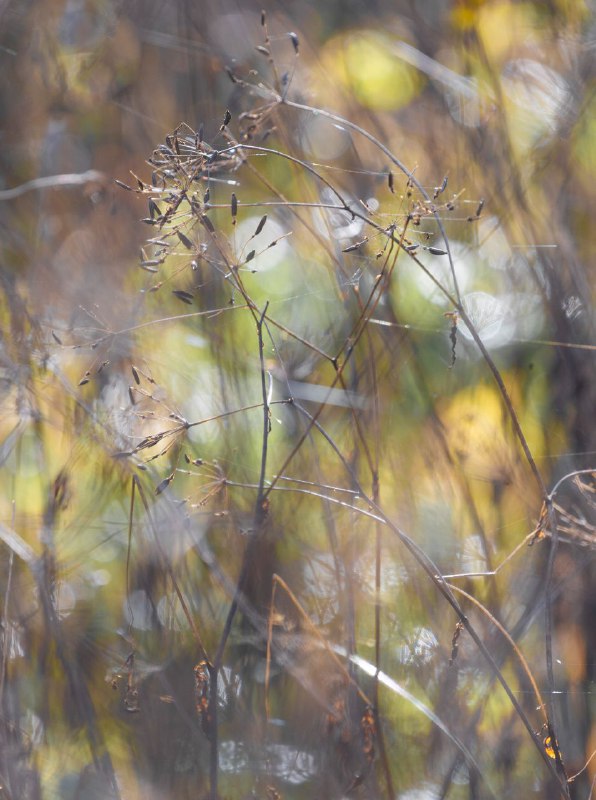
368 66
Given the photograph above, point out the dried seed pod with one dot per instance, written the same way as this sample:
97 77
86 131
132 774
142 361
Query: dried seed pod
135 374
261 225
390 182
234 206
226 120
207 223
435 251
164 484
185 240
440 189
295 41
249 257
123 185
186 297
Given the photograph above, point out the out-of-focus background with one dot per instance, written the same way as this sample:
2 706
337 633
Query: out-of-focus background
99 596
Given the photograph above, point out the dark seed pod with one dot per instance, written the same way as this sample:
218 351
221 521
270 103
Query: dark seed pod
164 484
436 252
390 182
261 225
440 189
206 197
295 41
123 185
263 18
249 257
185 240
135 374
480 207
226 120
207 223
56 338
186 297
231 75
262 50
234 205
